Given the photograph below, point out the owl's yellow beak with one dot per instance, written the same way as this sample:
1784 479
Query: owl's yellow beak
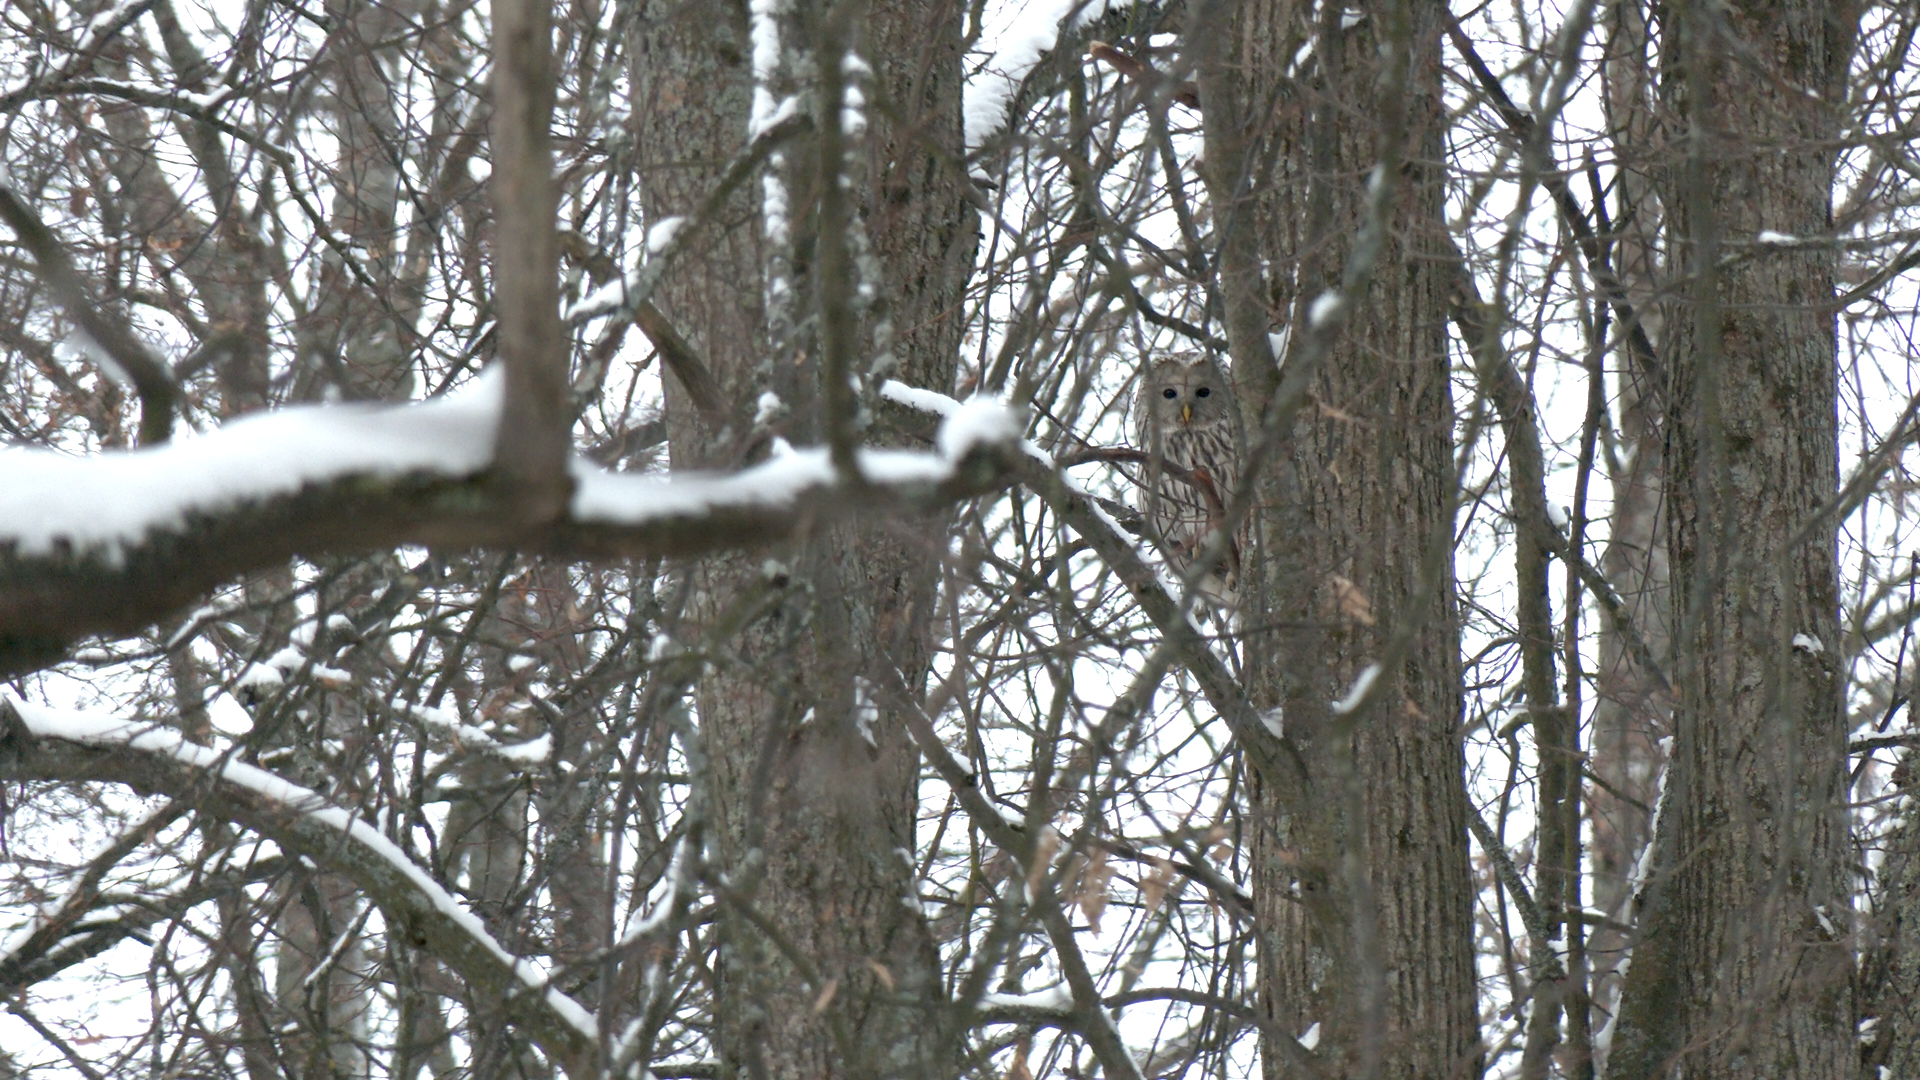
1186 413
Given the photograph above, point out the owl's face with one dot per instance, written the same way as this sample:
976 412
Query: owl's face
1186 392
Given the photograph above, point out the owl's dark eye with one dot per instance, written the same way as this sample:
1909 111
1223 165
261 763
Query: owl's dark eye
1202 392
1169 393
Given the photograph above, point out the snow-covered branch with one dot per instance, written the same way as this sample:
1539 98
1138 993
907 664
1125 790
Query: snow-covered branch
1083 513
112 542
43 744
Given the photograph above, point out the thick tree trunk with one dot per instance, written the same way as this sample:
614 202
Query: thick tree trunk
351 340
1743 966
1363 893
1890 977
826 966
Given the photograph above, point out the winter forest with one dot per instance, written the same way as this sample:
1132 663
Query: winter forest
616 540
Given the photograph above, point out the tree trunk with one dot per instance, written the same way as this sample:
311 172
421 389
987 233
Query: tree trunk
826 967
1363 893
1890 976
1743 966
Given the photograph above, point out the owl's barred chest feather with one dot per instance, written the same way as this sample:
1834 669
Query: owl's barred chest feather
1191 466
1210 449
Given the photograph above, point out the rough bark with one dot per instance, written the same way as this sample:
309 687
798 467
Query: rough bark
826 966
1890 976
352 339
1362 883
1743 967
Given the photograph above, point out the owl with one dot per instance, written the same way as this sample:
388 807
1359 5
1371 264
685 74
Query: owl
1184 422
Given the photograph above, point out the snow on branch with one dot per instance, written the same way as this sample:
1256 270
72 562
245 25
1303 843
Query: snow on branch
44 744
1083 513
468 737
1020 38
112 542
111 502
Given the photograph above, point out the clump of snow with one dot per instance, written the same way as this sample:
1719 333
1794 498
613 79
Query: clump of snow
1807 643
1052 999
938 404
662 648
468 737
259 677
1826 922
764 18
1325 308
110 500
913 397
604 300
1769 238
1310 1038
79 345
273 672
228 716
767 407
1279 341
531 752
853 117
1015 38
1358 691
782 481
981 421
773 209
865 712
662 232
1643 866
332 676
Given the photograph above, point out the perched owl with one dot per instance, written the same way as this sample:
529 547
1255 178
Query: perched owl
1184 422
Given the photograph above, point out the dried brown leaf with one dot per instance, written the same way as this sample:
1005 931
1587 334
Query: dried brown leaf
1350 601
1153 888
1043 852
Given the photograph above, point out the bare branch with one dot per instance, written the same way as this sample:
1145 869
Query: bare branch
157 762
151 377
50 599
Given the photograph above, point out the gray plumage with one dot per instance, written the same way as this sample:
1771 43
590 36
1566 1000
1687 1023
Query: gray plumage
1184 422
